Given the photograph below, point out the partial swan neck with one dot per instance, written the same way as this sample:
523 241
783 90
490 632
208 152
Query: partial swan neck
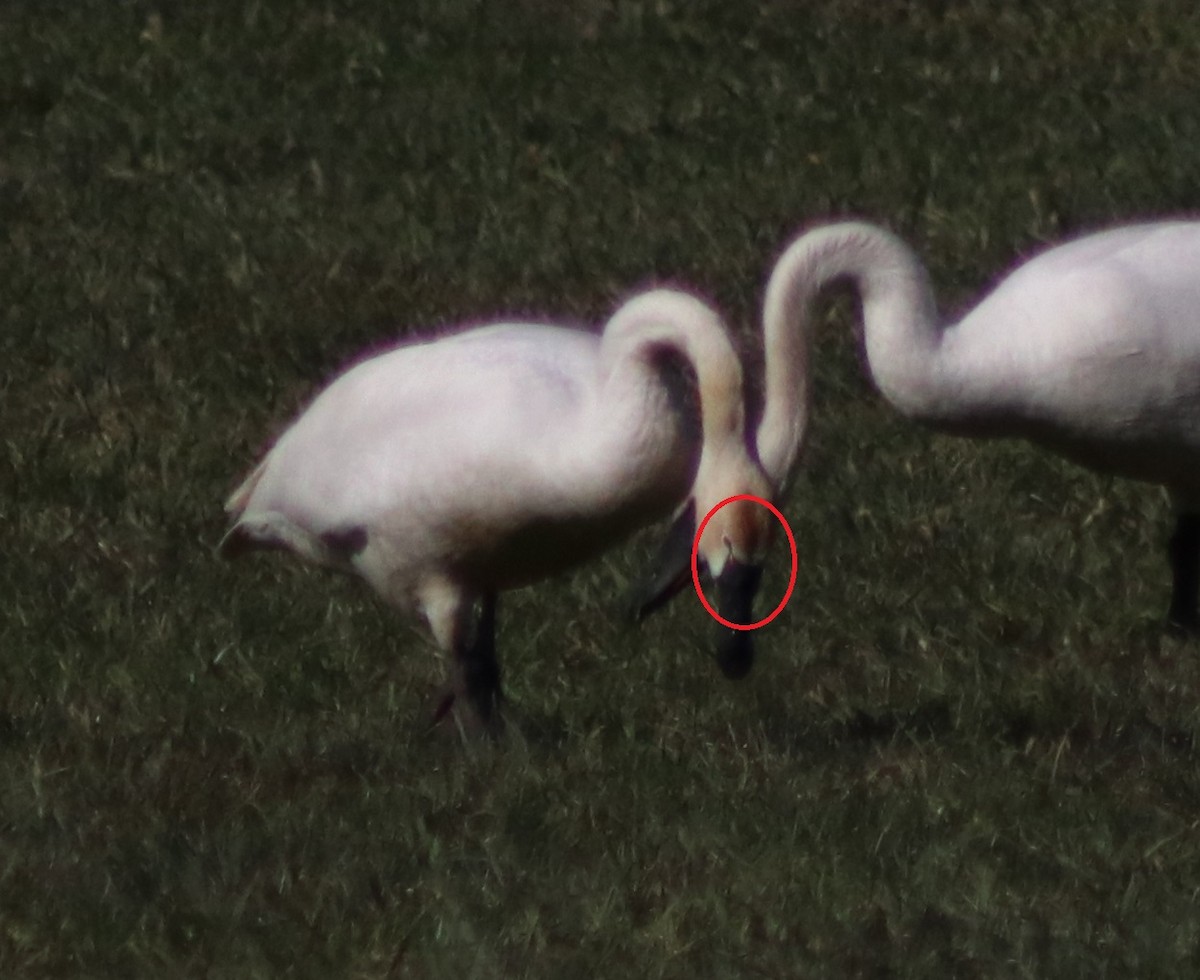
665 318
899 324
668 318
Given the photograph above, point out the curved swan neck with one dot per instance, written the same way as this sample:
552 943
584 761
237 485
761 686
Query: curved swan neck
900 327
667 318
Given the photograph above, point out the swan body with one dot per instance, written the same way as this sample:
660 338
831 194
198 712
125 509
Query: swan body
447 471
1091 349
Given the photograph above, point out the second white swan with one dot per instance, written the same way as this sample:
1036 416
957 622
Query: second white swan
1091 349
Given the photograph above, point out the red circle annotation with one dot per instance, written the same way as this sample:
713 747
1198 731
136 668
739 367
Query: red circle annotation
696 570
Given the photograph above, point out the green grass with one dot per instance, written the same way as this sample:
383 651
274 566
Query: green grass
967 749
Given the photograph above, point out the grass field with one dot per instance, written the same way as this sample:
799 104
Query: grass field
967 750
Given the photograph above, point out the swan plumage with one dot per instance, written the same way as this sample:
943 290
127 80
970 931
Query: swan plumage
1090 349
446 471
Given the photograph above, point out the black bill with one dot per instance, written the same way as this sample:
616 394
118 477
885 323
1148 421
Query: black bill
737 585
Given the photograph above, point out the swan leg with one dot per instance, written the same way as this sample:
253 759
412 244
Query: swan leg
670 570
478 670
470 642
1184 553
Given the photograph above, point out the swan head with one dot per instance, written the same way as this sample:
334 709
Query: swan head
730 553
732 550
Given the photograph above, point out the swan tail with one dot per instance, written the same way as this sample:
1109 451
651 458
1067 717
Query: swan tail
235 504
273 531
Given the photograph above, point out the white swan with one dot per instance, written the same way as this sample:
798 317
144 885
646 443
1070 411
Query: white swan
1091 349
447 471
